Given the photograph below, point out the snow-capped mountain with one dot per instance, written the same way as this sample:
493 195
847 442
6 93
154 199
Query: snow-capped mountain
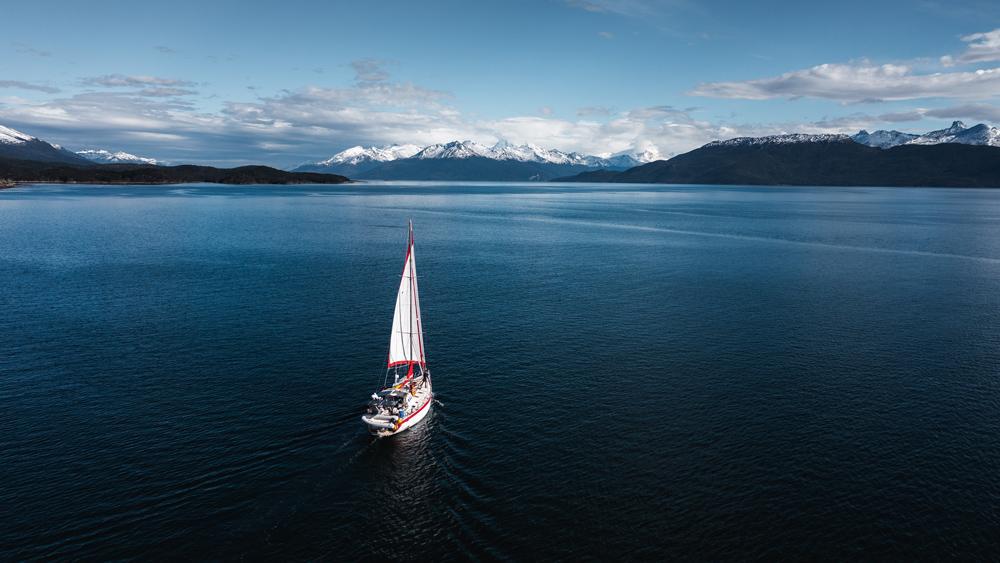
21 146
882 139
941 135
504 150
10 136
455 149
790 138
359 154
107 157
958 133
534 153
980 134
636 157
538 162
358 160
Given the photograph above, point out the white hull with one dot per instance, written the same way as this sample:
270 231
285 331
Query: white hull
383 425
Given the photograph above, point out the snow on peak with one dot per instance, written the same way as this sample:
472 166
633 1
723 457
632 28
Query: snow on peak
533 153
10 136
501 150
980 134
781 140
456 149
504 150
107 157
635 157
648 155
359 154
882 139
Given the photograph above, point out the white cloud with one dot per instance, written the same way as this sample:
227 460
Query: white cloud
631 8
593 110
28 86
118 80
369 70
164 92
983 47
669 130
860 82
620 7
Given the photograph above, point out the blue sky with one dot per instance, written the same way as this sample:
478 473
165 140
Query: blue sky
286 82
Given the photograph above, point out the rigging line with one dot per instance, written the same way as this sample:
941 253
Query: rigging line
416 308
416 301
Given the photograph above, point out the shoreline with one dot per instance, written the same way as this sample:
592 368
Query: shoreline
9 185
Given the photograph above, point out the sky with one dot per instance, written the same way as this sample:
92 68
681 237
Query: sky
282 83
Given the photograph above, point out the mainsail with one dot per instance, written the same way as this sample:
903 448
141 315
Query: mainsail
406 344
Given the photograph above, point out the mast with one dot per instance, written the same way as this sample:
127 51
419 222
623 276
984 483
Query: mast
406 342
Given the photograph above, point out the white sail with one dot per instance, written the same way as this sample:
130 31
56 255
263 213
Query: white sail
406 344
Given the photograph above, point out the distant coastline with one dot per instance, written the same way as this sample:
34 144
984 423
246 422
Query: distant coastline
15 172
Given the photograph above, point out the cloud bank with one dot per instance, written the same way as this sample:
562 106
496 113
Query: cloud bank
863 82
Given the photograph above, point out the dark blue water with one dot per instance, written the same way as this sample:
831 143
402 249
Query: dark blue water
645 372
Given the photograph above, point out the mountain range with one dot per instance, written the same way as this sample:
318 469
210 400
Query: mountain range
980 134
954 156
24 158
102 156
468 160
15 144
817 160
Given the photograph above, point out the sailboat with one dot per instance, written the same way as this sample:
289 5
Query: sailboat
405 402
